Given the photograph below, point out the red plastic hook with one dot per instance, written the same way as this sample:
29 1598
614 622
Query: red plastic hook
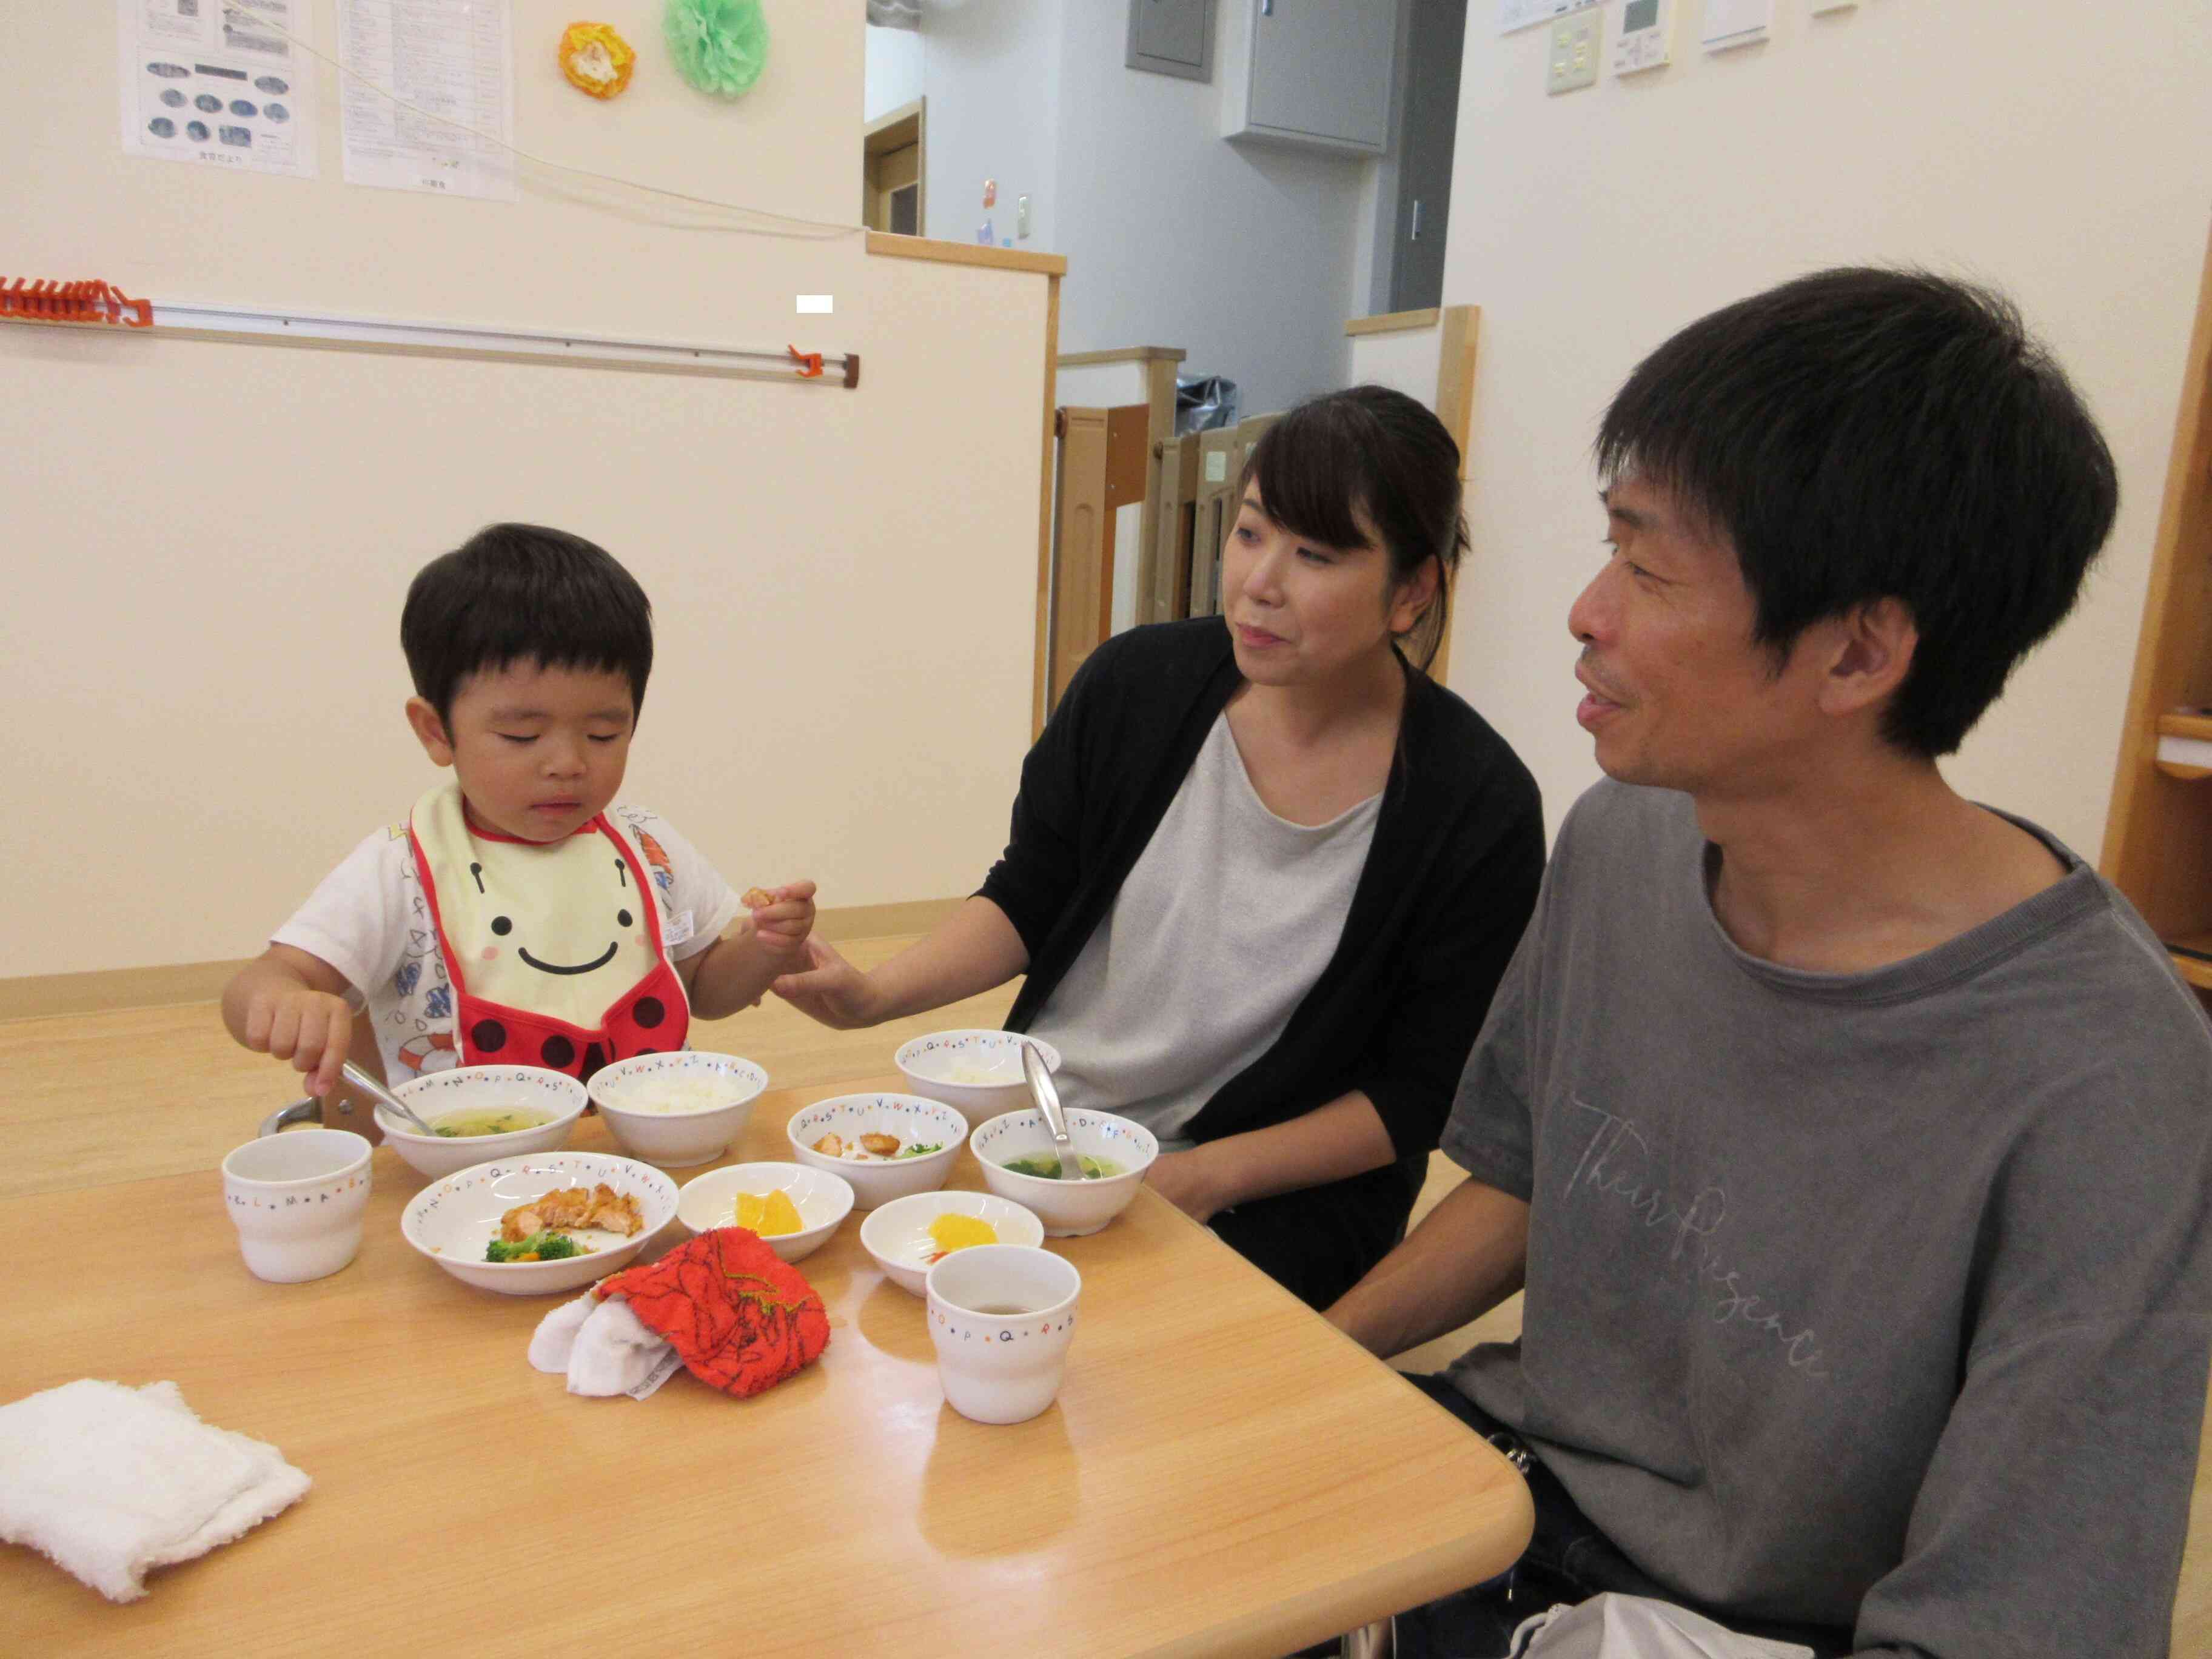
809 362
72 302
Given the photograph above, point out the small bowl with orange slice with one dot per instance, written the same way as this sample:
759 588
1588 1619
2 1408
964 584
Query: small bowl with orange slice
794 1208
908 1235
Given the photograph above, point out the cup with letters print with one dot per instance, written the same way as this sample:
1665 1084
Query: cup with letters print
1001 1316
297 1201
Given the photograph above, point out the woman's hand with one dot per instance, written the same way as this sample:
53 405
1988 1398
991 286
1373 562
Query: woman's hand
830 989
1188 1180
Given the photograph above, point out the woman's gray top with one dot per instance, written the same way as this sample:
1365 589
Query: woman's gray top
1227 919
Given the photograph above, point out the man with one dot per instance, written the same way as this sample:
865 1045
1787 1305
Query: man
1851 1138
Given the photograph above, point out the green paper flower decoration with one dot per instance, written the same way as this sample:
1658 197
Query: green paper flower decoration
719 45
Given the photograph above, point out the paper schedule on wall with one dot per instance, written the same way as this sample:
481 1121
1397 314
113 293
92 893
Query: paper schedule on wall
203 81
451 69
1519 13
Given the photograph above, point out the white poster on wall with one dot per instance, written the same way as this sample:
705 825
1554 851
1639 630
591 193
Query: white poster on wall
211 81
1519 13
429 101
1732 23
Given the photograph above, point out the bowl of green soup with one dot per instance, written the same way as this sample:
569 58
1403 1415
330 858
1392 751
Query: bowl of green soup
480 1113
1018 1162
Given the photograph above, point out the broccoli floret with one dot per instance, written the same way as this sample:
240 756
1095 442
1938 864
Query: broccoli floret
540 1247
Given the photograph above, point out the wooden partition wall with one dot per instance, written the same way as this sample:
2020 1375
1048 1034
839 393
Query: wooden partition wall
2158 833
1129 453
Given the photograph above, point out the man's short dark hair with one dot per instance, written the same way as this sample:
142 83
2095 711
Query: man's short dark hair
521 592
1862 434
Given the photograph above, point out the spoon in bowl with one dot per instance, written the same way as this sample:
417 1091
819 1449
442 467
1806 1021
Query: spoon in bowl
1046 1093
383 1097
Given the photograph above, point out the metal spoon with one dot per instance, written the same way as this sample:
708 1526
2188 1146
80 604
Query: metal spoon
1046 1093
382 1096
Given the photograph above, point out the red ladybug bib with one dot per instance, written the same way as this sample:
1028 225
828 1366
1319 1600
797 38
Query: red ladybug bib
553 949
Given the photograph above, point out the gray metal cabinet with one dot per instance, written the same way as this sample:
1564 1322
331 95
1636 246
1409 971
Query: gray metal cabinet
1172 37
1313 73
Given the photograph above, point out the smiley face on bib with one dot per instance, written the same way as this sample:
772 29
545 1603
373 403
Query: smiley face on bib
560 928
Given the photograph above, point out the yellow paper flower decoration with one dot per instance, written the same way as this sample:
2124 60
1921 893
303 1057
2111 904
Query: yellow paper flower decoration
596 59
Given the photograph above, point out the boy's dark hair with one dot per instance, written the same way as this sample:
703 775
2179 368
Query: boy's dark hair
521 592
1379 451
1860 434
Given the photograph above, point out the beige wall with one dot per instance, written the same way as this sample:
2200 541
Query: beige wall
207 543
2068 159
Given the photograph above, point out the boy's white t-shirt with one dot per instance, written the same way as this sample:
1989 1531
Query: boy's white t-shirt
369 921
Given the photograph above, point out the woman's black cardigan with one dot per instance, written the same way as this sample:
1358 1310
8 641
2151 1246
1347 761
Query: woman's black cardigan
1448 884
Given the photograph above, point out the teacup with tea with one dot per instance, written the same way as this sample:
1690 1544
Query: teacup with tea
1002 1316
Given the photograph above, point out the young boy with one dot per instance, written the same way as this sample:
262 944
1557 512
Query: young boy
519 915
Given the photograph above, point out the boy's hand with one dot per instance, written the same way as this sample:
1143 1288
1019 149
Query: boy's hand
832 990
309 1028
783 917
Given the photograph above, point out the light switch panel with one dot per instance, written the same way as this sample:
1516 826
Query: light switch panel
1643 39
1572 62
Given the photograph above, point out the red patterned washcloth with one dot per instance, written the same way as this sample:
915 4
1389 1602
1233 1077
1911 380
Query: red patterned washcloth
742 1318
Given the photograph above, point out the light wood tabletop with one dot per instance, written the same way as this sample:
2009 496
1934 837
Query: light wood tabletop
1222 1473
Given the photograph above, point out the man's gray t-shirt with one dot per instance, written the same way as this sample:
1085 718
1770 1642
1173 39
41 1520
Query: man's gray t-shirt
1882 1296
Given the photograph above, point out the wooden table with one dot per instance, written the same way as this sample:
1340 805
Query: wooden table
1222 1473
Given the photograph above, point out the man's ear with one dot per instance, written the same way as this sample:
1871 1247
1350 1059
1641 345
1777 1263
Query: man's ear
1870 652
429 731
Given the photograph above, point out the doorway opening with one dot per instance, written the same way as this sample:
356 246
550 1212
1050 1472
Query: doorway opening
892 174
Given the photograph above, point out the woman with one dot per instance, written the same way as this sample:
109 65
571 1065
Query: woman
1264 874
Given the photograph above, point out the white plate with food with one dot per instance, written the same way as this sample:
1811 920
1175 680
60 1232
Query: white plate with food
794 1208
909 1236
580 1215
886 1146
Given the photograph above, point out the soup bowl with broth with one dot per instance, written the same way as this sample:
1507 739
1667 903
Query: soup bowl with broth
677 1109
482 1112
1068 1208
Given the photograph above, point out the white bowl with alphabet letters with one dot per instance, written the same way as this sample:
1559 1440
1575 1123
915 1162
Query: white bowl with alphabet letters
680 1108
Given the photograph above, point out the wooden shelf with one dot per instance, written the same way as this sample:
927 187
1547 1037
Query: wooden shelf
2158 833
2196 971
2184 747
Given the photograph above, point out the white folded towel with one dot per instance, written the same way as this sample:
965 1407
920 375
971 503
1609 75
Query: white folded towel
1617 1626
602 1345
108 1481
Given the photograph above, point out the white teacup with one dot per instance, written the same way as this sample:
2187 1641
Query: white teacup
1002 1316
297 1201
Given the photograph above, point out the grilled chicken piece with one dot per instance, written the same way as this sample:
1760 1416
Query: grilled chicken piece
572 1207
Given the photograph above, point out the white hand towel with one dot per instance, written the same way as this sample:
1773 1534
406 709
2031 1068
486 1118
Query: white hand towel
614 1352
554 1339
108 1481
